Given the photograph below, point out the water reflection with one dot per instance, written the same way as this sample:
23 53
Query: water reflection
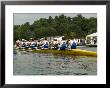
27 63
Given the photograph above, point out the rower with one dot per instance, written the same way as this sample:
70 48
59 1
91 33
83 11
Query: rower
63 46
73 46
56 46
17 43
46 46
27 44
23 44
39 44
33 44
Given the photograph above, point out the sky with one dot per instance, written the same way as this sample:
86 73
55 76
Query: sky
21 18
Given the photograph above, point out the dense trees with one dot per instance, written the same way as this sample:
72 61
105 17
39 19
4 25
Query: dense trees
70 27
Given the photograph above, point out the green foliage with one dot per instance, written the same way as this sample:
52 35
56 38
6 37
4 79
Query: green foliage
70 27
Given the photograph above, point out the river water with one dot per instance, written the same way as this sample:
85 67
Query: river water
28 63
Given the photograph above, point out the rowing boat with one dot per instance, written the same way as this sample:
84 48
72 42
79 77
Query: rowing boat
77 52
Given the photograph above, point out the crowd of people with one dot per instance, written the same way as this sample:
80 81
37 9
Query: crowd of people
45 44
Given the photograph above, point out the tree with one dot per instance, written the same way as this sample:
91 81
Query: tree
70 27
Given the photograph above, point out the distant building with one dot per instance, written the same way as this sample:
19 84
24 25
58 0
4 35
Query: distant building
91 40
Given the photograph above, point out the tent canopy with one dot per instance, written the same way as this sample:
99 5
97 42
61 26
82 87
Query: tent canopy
92 35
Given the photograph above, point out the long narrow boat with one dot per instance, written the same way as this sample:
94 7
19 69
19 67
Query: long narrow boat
76 52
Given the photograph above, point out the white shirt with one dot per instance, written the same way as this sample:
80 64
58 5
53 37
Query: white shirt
45 41
55 42
62 42
71 42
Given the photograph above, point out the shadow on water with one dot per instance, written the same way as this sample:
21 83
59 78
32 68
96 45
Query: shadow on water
28 63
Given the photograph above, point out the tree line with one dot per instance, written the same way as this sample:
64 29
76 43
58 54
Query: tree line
70 27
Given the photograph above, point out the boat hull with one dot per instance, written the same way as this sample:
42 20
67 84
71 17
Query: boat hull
75 52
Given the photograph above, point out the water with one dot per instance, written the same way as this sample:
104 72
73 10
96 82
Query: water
28 63
88 48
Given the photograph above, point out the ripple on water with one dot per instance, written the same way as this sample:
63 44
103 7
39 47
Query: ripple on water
27 63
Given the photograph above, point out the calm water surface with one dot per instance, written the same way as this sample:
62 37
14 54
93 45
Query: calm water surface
28 63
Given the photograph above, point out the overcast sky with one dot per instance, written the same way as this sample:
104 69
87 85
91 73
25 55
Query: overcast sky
21 18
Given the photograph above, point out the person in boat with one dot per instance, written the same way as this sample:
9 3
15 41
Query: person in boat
23 43
74 45
46 46
27 44
63 46
39 44
56 46
50 45
33 44
17 44
68 44
55 41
